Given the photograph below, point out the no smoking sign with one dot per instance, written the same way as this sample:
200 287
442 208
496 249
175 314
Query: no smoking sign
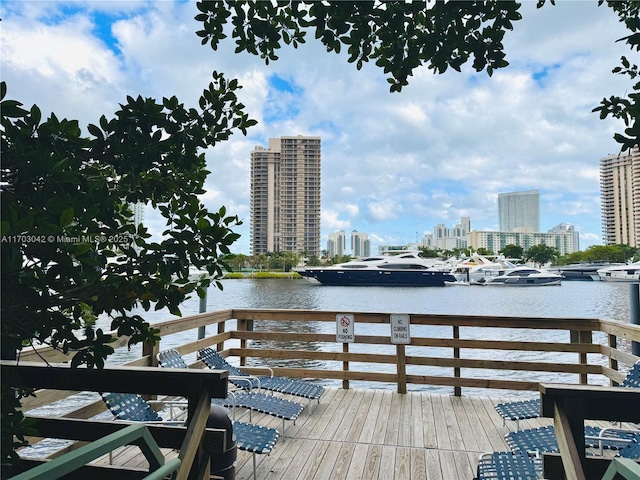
344 328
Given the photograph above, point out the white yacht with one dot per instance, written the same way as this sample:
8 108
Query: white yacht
620 273
523 276
407 269
475 268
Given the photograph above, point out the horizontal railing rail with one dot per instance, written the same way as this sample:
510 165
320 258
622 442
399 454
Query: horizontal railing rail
457 351
453 351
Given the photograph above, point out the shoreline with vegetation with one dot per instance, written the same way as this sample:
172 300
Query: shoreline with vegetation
262 275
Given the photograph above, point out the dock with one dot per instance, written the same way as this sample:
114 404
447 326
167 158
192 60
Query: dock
377 434
380 434
402 430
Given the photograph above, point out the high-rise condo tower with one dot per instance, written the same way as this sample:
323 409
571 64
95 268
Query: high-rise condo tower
285 196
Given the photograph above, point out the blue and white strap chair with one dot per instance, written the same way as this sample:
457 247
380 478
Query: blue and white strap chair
256 401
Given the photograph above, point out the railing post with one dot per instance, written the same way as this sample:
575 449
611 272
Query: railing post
245 326
151 351
221 329
345 366
457 391
582 336
401 365
613 343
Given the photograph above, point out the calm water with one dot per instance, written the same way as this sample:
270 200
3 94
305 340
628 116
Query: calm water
571 299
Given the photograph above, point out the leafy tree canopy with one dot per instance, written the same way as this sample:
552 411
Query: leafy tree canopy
402 36
512 251
70 251
601 253
398 36
428 252
541 254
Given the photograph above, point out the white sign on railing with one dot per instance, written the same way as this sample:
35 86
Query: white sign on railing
344 328
400 332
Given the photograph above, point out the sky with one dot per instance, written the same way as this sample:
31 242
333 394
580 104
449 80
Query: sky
394 165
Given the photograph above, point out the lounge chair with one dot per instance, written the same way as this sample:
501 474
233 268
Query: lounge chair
524 461
525 409
508 466
256 401
543 440
290 386
631 449
249 437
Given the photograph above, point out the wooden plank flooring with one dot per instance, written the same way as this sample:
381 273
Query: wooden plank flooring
378 434
375 434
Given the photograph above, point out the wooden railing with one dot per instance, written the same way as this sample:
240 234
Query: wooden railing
454 351
466 351
570 406
460 344
197 443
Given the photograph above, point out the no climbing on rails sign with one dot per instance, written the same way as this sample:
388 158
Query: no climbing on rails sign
400 329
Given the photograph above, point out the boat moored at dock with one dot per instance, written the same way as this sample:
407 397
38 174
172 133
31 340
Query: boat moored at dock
524 277
620 273
587 271
477 267
407 269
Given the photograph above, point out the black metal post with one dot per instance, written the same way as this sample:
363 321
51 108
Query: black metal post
203 308
635 313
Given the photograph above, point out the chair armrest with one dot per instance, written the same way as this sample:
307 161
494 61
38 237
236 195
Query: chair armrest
248 379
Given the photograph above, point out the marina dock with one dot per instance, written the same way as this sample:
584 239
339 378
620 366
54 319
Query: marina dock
403 431
380 434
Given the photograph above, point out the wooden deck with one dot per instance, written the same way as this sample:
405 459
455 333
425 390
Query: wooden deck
379 434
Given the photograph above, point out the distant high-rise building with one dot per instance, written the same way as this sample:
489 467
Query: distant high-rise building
620 198
519 211
449 238
138 213
563 241
285 196
138 218
336 244
360 244
570 230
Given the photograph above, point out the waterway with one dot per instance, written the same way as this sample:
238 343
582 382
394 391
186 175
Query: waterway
572 299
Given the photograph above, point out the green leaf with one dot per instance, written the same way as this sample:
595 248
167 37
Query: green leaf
94 130
67 217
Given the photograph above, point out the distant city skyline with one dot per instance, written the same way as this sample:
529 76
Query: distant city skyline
519 217
391 167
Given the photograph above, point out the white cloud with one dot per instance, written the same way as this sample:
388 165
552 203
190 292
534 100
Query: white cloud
391 163
331 223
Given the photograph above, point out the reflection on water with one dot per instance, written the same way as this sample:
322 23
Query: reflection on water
289 327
